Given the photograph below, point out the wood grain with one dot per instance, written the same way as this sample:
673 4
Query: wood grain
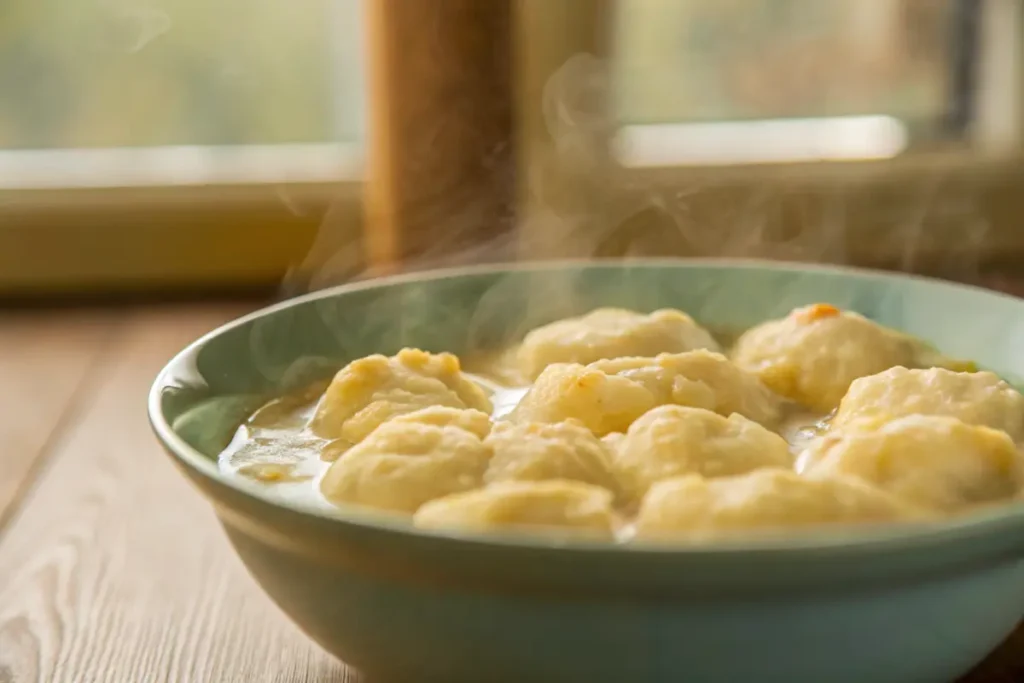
45 359
116 571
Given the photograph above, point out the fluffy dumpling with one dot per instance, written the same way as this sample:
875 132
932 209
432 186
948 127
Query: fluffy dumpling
471 420
370 391
608 395
695 508
671 441
978 398
936 462
602 403
813 354
403 464
536 452
557 507
702 379
611 333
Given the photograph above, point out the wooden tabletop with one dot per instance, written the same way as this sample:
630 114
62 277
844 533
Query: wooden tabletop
112 569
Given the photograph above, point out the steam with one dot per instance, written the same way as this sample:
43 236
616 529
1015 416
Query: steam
582 203
132 26
337 252
588 205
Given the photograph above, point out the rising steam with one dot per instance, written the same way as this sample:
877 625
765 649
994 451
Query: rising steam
583 204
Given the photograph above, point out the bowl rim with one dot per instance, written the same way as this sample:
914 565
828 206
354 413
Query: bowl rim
985 521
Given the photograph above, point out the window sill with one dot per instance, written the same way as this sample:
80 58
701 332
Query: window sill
234 219
948 212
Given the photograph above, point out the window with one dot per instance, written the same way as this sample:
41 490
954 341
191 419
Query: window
877 132
153 141
707 82
167 73
180 142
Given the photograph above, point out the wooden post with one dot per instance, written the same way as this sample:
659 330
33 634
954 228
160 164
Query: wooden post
440 184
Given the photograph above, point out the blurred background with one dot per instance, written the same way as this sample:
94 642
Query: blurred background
153 145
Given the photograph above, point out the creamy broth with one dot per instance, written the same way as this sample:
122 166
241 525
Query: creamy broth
277 448
610 446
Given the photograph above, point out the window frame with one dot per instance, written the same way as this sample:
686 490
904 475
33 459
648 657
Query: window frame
226 234
427 189
213 236
97 222
990 175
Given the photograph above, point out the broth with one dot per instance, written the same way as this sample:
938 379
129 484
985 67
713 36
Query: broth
277 448
950 441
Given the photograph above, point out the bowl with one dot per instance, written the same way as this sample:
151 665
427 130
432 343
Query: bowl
897 603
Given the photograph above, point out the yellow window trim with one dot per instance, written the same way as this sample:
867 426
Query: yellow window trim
231 218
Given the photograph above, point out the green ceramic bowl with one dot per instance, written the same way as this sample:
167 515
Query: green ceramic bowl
900 604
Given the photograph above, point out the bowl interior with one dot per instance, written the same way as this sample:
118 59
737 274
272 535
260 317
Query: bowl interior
205 392
209 388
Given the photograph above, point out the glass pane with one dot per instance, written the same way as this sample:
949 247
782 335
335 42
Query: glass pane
131 73
734 60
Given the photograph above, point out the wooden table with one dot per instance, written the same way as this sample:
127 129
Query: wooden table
112 569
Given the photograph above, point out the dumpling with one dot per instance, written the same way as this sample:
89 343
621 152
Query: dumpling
602 403
557 507
613 440
671 441
813 354
535 452
978 398
471 420
695 508
611 333
608 395
369 391
403 464
702 379
937 462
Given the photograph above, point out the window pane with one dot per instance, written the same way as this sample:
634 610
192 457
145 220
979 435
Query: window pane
700 60
129 73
